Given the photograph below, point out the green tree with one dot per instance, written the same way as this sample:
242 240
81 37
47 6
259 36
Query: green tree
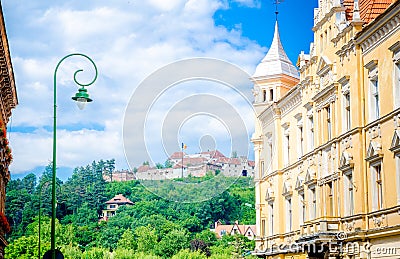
187 254
122 253
234 154
159 166
25 247
168 164
146 239
85 215
96 253
173 242
127 240
207 236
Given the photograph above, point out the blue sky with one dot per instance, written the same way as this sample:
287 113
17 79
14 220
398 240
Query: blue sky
128 40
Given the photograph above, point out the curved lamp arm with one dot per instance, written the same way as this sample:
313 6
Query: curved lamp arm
81 98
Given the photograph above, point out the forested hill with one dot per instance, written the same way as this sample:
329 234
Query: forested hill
153 226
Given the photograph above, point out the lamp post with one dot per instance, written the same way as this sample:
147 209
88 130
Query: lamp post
40 212
81 97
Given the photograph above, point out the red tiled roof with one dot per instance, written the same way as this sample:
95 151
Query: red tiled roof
192 161
177 155
251 163
224 160
235 161
143 168
370 9
119 199
228 229
213 154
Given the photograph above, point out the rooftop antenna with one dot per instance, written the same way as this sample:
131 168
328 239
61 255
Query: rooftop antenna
276 3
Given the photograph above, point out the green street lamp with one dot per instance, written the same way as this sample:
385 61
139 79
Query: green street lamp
82 98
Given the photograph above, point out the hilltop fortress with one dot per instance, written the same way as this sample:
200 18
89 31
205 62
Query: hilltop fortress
194 165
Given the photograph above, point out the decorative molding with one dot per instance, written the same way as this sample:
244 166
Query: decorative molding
347 142
346 161
324 71
346 51
270 196
375 132
396 120
311 177
287 189
379 220
395 48
395 144
299 184
327 179
379 31
326 96
374 151
290 101
7 85
349 226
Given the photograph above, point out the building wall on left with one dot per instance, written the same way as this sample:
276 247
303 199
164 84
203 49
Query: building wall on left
8 101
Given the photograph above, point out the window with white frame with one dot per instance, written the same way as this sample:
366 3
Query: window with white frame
397 84
395 48
299 135
328 122
373 97
325 162
271 94
261 169
263 230
347 111
271 219
269 150
289 214
346 108
397 159
301 141
302 208
313 202
377 185
286 145
329 204
348 193
310 133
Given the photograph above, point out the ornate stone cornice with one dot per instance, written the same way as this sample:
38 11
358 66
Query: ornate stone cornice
326 96
269 114
321 18
346 50
290 101
380 29
8 93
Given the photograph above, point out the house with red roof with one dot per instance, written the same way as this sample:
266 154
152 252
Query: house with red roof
246 230
113 205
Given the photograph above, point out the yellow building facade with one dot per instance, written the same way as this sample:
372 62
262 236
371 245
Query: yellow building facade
327 138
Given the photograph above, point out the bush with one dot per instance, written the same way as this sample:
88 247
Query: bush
96 253
186 254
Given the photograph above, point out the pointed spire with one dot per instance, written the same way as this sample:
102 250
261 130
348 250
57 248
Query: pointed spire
276 61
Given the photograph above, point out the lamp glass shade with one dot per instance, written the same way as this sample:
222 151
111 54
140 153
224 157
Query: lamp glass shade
81 102
81 98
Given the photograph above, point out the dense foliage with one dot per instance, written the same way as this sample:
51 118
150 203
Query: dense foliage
152 228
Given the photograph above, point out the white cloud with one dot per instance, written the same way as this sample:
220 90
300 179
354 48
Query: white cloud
128 40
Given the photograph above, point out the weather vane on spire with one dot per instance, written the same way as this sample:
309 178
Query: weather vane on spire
276 3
